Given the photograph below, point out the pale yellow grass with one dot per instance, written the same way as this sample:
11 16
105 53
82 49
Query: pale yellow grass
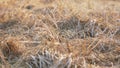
39 23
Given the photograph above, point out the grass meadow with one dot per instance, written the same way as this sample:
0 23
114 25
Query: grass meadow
59 34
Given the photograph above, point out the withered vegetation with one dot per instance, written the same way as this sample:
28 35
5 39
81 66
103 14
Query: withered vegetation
59 34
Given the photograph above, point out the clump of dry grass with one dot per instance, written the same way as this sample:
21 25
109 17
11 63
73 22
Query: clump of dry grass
12 49
59 34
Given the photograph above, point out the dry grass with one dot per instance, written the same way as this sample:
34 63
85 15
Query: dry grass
59 34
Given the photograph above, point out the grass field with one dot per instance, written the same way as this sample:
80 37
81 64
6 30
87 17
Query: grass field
59 34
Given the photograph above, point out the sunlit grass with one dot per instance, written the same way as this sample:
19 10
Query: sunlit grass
59 33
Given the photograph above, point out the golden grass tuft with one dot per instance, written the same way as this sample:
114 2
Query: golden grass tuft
13 47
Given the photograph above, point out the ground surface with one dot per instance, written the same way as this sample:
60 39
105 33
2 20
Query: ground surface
59 34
